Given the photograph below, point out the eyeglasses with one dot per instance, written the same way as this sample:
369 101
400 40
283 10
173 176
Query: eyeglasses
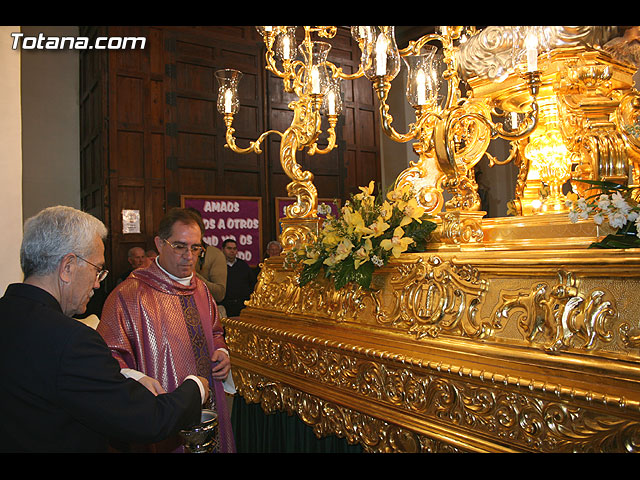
102 273
181 248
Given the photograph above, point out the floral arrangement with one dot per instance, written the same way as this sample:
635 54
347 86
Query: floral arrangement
369 231
614 203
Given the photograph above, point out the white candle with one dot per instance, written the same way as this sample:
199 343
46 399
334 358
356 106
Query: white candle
381 55
331 103
315 80
228 100
531 45
421 86
285 48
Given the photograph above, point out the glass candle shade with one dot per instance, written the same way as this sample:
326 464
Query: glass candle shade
316 77
380 56
422 83
332 103
286 48
228 102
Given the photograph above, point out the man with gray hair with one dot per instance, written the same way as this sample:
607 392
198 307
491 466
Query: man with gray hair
61 389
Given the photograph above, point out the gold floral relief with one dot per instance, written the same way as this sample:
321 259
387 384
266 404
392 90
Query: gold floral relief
435 410
428 296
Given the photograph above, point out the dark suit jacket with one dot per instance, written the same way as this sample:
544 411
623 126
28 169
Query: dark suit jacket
62 391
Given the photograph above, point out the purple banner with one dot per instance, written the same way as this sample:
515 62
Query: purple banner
231 217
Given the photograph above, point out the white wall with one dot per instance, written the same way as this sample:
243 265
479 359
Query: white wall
39 134
51 124
10 161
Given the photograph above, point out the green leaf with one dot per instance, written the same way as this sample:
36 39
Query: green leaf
364 274
618 241
310 272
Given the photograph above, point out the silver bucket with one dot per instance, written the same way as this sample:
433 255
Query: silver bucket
202 438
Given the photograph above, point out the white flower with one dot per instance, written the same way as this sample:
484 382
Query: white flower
604 202
617 219
598 218
582 205
573 216
620 203
377 261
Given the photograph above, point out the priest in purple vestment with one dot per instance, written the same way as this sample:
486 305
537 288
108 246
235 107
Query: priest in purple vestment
163 323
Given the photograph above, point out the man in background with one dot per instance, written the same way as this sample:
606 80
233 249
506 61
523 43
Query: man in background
241 279
135 257
211 266
61 389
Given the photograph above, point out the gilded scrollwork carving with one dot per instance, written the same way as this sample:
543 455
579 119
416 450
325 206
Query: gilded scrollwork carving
433 296
524 416
560 316
328 418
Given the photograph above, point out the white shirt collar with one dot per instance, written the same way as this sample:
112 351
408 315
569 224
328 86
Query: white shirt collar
186 281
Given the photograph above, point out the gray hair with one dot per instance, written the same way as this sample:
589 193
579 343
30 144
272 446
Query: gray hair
54 233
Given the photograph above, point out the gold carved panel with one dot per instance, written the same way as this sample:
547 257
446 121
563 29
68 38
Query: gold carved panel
453 351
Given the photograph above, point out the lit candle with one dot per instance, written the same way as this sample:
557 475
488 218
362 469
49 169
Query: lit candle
331 102
514 120
531 45
228 100
285 48
421 87
315 80
381 55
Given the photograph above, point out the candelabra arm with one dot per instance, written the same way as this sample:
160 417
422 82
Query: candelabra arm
512 154
525 128
254 147
331 131
382 88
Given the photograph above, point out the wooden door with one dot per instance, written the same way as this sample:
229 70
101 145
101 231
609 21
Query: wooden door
151 131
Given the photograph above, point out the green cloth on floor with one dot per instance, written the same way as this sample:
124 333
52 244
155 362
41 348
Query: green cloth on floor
258 432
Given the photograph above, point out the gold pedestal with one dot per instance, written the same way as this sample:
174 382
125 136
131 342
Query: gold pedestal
483 349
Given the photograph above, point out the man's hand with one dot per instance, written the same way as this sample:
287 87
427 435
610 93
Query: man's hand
152 385
221 365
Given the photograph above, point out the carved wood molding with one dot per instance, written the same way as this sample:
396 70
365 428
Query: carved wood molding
388 402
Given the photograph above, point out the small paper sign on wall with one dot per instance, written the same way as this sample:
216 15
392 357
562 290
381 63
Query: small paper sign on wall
238 218
130 221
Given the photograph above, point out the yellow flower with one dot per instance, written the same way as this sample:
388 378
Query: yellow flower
398 243
312 256
571 197
412 211
361 255
386 210
343 250
396 195
366 191
355 223
330 239
377 228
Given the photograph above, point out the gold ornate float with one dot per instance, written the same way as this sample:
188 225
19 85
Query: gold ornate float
506 335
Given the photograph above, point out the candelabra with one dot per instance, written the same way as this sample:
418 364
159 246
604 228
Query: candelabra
449 139
316 83
495 88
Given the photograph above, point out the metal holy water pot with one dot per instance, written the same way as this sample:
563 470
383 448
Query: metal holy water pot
202 438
